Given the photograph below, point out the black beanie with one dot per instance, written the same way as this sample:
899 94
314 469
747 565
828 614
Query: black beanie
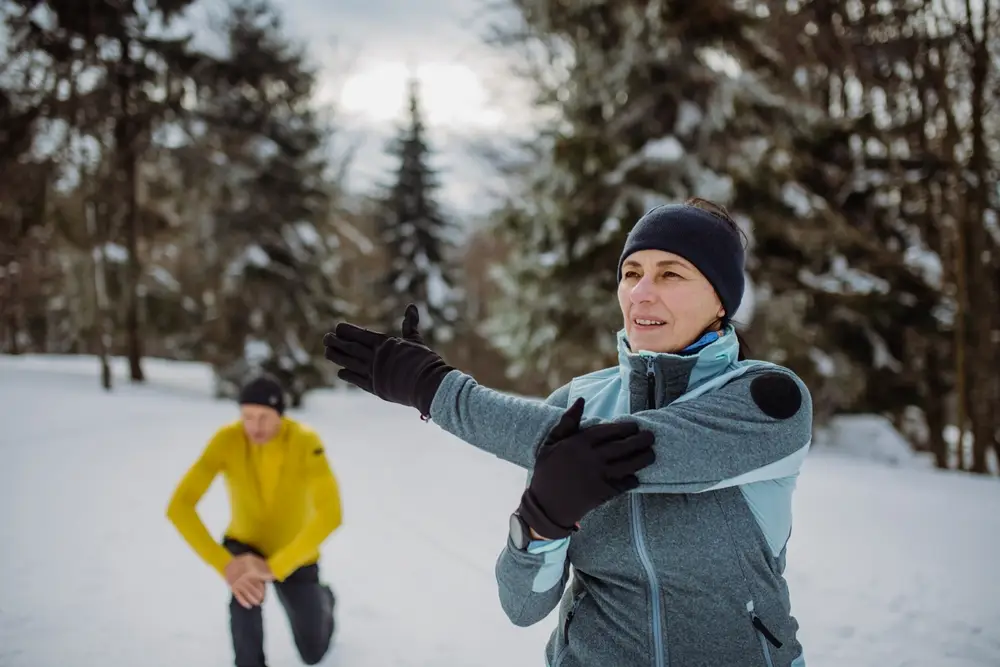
702 238
263 390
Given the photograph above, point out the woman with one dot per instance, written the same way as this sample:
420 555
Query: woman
679 562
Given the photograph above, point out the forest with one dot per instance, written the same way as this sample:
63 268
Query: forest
157 200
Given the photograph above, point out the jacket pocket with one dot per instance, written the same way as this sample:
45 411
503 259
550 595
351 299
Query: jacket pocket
563 641
764 636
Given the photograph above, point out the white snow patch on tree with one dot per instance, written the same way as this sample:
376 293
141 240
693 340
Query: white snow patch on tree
256 256
307 233
355 236
113 252
256 351
927 263
689 117
666 149
844 279
164 278
823 362
796 197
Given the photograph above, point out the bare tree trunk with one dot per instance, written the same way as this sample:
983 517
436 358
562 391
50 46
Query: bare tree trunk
934 407
961 299
982 368
104 323
126 136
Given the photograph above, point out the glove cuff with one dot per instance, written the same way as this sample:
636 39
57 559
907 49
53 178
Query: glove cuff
538 520
427 385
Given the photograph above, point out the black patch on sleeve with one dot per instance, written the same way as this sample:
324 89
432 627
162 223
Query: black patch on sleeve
776 395
318 451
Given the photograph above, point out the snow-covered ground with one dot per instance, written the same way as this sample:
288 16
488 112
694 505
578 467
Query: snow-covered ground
888 566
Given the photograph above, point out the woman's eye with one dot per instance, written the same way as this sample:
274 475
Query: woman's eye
631 274
671 274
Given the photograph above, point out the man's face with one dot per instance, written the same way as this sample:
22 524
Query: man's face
260 422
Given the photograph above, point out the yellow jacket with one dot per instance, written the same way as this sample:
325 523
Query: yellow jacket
283 496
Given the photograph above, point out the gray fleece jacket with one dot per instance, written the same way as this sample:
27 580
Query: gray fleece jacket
687 570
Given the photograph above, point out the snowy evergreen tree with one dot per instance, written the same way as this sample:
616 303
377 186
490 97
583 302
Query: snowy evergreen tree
111 72
415 237
900 316
266 244
829 132
649 105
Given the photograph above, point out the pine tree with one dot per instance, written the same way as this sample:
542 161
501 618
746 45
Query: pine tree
267 243
107 72
651 102
414 233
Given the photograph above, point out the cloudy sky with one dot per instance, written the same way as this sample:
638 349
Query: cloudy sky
368 48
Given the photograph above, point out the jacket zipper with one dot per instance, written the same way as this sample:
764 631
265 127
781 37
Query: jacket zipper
561 650
635 499
650 386
763 634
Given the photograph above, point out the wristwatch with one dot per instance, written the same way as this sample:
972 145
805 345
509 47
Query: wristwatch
520 533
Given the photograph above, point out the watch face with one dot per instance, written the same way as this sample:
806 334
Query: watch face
518 532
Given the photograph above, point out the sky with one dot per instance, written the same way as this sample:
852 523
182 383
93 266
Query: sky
367 49
365 52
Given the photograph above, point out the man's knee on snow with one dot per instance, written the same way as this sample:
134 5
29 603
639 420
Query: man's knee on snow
313 648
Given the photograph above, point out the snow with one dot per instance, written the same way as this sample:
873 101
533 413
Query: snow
352 233
926 263
796 197
887 565
667 149
164 278
870 437
843 278
439 292
689 117
113 252
824 363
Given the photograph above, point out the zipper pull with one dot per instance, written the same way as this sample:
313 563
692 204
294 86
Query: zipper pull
761 628
759 624
650 386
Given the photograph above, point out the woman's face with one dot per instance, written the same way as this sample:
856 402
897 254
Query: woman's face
666 302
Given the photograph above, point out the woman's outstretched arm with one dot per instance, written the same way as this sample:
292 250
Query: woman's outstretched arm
756 427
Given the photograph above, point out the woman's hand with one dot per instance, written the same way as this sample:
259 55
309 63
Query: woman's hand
541 538
578 470
399 370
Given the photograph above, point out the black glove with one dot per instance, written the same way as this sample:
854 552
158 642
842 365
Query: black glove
577 471
399 370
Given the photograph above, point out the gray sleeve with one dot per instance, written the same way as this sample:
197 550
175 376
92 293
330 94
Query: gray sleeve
757 427
736 434
507 426
531 584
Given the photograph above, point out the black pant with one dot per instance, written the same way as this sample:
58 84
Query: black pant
307 603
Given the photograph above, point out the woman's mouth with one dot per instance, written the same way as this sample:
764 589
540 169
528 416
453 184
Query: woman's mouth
644 324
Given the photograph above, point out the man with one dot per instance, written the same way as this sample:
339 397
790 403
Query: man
284 503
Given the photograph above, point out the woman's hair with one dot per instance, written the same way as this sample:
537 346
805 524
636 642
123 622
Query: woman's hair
719 211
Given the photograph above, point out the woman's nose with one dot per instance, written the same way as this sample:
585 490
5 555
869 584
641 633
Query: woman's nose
642 291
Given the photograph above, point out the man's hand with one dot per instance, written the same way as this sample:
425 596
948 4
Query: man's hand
247 576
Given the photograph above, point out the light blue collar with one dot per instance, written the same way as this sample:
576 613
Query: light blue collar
717 354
